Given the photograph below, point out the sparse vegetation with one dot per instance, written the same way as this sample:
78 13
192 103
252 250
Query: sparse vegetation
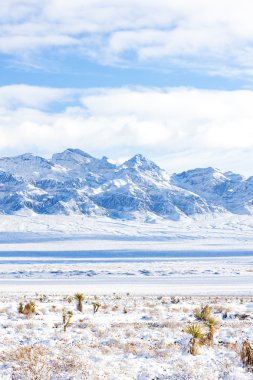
66 316
27 309
212 325
21 308
151 330
79 297
96 306
247 355
195 330
203 314
37 362
175 300
29 363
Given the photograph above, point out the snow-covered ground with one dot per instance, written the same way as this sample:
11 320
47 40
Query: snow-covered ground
128 338
60 232
211 256
191 285
132 269
211 275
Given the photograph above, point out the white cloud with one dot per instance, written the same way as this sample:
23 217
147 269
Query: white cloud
15 96
211 34
179 128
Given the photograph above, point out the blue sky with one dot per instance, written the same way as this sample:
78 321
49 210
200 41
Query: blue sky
171 80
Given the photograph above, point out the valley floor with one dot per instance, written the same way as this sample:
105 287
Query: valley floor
76 232
148 279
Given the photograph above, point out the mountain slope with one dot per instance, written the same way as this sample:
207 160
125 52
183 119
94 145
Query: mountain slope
74 182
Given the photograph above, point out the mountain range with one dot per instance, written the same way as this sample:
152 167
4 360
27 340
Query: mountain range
74 182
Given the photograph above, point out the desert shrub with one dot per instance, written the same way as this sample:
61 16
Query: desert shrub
174 300
54 309
27 309
247 355
29 363
37 362
69 362
203 314
242 316
222 309
68 299
43 298
226 369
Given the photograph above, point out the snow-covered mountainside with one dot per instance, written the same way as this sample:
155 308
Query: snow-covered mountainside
73 182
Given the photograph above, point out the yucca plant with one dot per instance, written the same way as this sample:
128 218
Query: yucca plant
21 308
79 297
195 330
247 355
66 316
96 306
212 325
203 314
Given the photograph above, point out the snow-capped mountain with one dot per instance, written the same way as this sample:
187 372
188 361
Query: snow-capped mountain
75 182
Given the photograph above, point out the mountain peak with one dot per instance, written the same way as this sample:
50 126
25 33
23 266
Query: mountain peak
26 156
71 153
71 157
77 151
141 162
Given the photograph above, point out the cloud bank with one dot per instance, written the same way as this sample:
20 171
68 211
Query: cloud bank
179 128
215 36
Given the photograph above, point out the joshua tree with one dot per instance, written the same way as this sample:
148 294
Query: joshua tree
80 298
195 331
212 325
203 314
247 355
66 317
96 306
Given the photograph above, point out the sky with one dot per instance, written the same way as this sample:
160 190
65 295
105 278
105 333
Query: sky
172 80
